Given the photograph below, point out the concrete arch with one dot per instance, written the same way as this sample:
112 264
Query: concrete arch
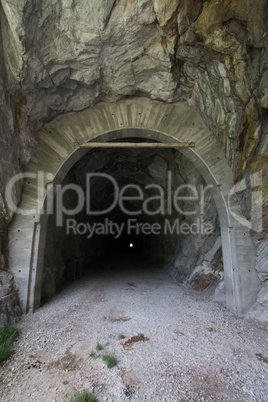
137 117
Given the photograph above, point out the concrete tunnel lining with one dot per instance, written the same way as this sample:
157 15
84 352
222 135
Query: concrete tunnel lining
146 119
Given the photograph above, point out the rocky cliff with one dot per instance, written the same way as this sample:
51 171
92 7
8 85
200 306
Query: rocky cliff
58 56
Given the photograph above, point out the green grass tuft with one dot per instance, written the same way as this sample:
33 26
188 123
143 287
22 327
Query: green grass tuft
93 355
110 360
99 346
8 335
84 396
121 336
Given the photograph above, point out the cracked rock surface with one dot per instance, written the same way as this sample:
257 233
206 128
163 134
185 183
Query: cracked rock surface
58 56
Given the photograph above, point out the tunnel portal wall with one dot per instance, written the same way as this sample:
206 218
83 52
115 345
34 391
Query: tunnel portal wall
56 153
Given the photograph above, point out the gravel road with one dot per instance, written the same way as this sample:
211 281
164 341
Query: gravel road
178 345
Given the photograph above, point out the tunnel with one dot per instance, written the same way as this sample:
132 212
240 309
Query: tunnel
150 207
201 233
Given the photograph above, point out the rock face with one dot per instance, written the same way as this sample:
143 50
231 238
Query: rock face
210 271
9 300
58 56
9 308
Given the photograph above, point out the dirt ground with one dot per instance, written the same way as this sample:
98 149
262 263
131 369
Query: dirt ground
178 345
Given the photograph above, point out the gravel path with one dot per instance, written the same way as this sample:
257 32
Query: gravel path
196 350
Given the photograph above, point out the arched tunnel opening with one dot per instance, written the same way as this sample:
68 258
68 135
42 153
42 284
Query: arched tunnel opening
149 207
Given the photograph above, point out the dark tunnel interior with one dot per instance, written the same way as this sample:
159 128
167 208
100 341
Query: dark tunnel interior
128 213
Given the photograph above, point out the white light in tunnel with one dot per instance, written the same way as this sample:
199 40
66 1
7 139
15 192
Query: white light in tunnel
131 245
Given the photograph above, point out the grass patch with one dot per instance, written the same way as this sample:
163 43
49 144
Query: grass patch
8 335
65 382
99 346
93 355
84 396
121 336
109 360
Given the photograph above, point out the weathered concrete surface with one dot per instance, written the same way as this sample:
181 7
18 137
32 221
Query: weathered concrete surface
61 56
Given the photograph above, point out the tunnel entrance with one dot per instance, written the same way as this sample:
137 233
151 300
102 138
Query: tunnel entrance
137 117
151 206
